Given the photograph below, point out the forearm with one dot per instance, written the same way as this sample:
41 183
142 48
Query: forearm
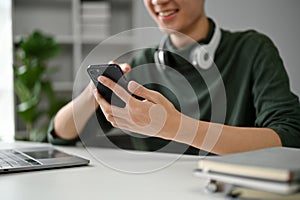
71 119
230 139
156 116
223 139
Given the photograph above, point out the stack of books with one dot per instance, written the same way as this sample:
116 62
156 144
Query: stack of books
95 19
272 173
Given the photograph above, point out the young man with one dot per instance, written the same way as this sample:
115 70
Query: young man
261 111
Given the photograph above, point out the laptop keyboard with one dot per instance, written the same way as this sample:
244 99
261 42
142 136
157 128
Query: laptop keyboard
12 158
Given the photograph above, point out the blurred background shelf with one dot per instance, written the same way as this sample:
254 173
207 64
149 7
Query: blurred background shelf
78 26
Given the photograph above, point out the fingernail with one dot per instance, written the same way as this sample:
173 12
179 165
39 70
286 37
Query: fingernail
101 79
132 86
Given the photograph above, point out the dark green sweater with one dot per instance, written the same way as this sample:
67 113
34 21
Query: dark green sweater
257 92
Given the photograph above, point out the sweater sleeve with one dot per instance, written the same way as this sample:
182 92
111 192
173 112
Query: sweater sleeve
53 139
276 106
96 125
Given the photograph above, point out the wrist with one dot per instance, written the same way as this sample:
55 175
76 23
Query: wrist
188 130
88 95
172 126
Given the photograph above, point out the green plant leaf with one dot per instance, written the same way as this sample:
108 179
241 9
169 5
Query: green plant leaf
40 46
22 91
27 110
38 101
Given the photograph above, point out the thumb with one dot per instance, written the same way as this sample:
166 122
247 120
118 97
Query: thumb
143 92
125 67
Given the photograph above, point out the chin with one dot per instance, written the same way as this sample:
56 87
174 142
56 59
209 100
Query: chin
167 30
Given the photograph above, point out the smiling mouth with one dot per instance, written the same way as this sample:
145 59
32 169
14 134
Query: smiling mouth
166 13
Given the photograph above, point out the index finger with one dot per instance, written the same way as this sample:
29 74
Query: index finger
116 88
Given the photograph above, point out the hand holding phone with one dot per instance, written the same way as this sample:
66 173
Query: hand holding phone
114 72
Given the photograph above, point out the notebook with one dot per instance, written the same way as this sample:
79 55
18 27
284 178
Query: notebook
246 182
37 158
274 164
275 170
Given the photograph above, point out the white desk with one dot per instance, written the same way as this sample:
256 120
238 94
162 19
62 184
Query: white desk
98 181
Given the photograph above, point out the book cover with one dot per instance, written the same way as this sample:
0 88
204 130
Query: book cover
276 164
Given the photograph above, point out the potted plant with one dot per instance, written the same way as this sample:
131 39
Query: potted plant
37 101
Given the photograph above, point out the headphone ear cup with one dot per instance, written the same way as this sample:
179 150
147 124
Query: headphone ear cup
162 57
167 58
200 57
159 57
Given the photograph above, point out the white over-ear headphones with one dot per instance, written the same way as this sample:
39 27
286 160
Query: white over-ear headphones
201 56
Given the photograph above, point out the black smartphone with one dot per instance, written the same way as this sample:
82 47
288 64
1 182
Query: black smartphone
112 71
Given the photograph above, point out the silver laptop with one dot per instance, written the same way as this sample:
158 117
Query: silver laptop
36 158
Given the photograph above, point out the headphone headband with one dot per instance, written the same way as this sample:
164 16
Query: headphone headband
201 56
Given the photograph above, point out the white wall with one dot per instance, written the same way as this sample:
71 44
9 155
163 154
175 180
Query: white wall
276 18
7 124
279 19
